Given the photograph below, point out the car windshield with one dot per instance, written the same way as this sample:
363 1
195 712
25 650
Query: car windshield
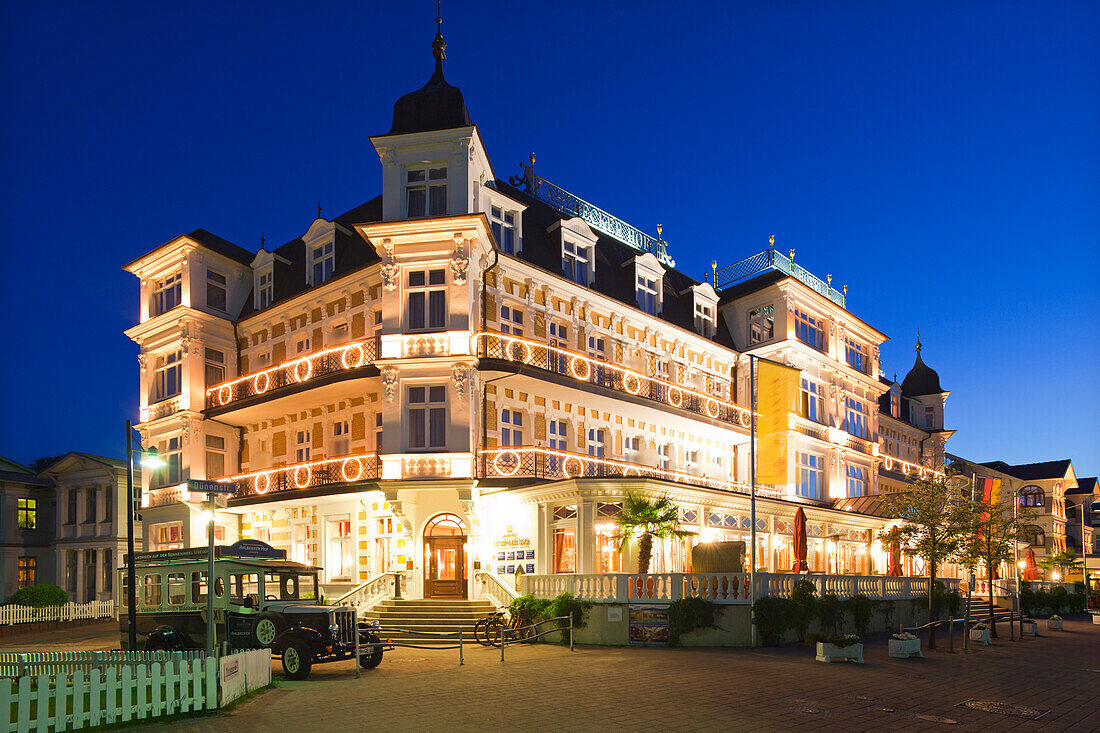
290 586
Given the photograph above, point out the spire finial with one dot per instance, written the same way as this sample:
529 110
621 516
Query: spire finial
318 209
439 46
918 341
262 240
771 241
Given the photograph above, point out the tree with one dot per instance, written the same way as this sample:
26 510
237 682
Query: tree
933 512
41 463
991 539
647 519
1065 562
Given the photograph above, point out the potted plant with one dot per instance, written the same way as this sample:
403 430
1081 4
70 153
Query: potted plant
905 645
979 632
1030 627
1054 623
834 647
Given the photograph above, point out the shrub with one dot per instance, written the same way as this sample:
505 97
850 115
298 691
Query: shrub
540 609
1058 599
840 640
830 610
40 596
688 614
861 607
804 599
947 604
774 617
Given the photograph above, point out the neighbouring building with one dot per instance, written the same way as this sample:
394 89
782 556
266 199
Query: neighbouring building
467 372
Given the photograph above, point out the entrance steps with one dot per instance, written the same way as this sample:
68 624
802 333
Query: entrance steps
429 615
979 609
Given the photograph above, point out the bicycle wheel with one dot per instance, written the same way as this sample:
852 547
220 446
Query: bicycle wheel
524 631
494 629
479 632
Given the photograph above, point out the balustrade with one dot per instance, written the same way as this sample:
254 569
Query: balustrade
345 469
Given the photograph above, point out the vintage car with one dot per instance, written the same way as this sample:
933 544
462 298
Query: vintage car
261 600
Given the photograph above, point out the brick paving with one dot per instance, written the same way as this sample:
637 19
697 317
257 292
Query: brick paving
545 688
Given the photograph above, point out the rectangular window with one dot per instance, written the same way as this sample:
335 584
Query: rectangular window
574 262
322 260
856 355
559 335
28 513
166 293
303 442
299 542
74 498
607 550
664 456
378 432
215 456
215 367
70 571
151 594
813 401
340 438
597 348
265 289
426 192
929 416
511 320
646 294
90 508
244 586
858 423
809 330
504 229
168 536
511 427
168 376
704 319
108 572
177 589
427 418
28 572
895 405
857 480
172 473
215 290
427 300
558 431
761 324
565 550
811 474
595 442
198 586
301 346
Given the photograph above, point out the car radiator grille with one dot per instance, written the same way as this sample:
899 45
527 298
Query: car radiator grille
345 619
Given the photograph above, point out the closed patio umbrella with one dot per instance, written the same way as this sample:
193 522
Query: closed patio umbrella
1031 572
798 541
895 553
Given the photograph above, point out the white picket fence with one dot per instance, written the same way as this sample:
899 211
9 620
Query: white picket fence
69 612
126 688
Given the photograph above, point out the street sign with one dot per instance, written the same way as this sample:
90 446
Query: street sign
201 486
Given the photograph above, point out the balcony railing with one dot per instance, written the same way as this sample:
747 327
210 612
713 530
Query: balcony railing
583 368
536 462
770 259
295 371
909 469
340 470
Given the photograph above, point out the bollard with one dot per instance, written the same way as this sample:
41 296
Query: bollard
460 662
951 634
1012 629
503 641
355 626
570 631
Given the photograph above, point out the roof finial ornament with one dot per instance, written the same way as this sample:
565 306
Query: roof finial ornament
771 241
659 228
439 46
714 272
318 209
262 240
918 340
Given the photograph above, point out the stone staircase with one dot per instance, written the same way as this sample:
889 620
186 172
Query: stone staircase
432 615
979 609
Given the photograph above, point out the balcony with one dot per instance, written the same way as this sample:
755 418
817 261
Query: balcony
340 470
889 463
303 370
161 409
579 367
773 260
556 465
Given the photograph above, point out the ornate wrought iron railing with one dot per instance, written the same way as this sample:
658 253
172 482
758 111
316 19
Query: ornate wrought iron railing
492 345
537 462
295 371
340 470
593 215
771 259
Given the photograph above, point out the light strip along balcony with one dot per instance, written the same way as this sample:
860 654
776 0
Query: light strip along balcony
493 345
339 470
544 463
294 371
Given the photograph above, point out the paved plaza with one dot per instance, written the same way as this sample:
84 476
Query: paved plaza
546 687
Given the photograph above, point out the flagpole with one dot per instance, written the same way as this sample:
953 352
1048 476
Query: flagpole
752 498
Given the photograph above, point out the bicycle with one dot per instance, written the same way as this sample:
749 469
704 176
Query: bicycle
517 625
481 634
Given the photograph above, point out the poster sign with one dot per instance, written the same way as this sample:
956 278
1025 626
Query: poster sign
649 624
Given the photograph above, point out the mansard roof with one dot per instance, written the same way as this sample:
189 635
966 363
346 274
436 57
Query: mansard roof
1033 471
222 246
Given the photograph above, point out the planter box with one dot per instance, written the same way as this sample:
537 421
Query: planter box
981 636
1095 616
1029 628
832 652
1055 624
905 648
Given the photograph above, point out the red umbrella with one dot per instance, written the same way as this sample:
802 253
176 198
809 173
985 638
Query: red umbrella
1030 571
798 541
895 553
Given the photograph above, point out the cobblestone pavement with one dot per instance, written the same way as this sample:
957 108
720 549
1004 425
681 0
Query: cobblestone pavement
547 688
86 637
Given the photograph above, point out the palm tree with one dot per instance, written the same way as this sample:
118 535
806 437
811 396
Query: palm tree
1065 562
647 519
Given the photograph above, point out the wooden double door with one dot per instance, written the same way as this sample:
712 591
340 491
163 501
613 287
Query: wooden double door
445 574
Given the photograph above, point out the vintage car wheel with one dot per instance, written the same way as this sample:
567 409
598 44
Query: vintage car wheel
297 660
268 627
372 661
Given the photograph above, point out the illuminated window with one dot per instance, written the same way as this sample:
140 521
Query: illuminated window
811 474
664 455
215 456
511 320
574 261
303 441
646 293
761 324
215 290
215 367
1032 496
607 550
504 229
265 288
172 473
322 260
427 417
558 434
167 377
427 300
340 438
855 354
809 330
565 550
704 318
340 560
596 442
167 293
511 427
895 405
28 572
858 423
177 589
426 192
299 542
857 480
813 401
28 513
167 536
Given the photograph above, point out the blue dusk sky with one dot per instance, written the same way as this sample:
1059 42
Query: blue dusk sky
939 158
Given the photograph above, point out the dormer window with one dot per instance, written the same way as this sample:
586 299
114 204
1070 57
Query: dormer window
215 290
322 260
504 229
895 405
574 261
265 288
761 324
704 318
426 192
647 294
167 293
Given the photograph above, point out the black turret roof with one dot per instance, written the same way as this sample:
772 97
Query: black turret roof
435 106
921 379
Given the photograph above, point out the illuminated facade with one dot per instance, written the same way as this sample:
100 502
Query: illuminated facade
507 355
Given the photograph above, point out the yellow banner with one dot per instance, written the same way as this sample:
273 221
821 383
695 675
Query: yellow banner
776 401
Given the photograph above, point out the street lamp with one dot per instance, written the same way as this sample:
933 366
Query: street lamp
149 459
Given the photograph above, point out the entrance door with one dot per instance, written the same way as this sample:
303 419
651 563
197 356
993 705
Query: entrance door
444 548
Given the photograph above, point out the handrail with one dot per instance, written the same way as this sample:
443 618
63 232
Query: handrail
364 584
434 647
511 632
770 259
488 577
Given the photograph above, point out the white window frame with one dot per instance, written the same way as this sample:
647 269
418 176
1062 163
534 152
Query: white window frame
704 317
212 282
505 230
558 434
810 474
303 445
511 319
511 427
597 442
860 428
322 255
341 438
215 448
647 291
167 293
426 179
808 322
265 287
429 399
163 386
213 366
761 323
857 351
576 260
860 484
301 346
434 285
812 394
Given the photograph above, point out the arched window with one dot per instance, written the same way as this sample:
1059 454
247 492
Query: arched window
1031 496
1034 535
445 525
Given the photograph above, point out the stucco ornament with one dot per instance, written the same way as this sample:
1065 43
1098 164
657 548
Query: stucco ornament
143 360
389 266
460 375
389 381
460 262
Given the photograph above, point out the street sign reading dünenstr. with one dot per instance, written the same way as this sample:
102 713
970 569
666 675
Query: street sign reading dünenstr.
200 486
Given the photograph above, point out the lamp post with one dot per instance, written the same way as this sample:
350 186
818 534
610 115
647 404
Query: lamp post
149 459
